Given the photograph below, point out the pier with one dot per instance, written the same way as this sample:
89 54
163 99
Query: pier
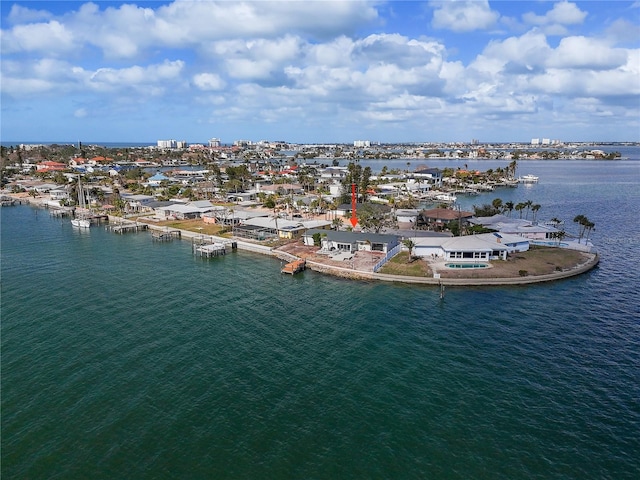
165 236
127 227
294 267
209 250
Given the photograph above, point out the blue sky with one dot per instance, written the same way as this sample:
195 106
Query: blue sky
320 71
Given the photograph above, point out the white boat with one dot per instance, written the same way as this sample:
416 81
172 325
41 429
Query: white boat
528 179
81 220
445 197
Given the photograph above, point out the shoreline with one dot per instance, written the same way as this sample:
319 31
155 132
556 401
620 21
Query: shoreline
355 274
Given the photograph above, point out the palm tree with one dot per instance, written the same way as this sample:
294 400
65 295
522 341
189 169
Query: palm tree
508 206
559 235
580 220
588 226
497 204
555 221
409 244
528 205
534 208
519 207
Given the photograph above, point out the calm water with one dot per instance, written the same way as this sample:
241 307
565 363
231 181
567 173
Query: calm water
124 358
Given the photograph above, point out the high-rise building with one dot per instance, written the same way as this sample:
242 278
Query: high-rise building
172 144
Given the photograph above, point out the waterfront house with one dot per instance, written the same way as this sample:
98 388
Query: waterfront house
230 216
138 203
177 211
517 226
485 246
352 242
263 228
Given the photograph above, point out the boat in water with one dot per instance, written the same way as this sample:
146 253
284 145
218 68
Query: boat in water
528 179
82 219
445 198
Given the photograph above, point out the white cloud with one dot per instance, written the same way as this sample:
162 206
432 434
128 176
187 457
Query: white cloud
127 31
150 79
20 14
51 37
554 21
583 52
208 81
464 16
300 63
22 87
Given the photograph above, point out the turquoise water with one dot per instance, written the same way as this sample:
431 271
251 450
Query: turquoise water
127 358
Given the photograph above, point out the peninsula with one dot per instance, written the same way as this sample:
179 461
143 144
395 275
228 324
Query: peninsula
401 225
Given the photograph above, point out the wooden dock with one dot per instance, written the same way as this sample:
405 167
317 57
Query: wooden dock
165 236
294 267
209 250
60 212
127 227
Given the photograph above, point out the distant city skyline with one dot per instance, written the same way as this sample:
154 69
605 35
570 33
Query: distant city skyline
320 71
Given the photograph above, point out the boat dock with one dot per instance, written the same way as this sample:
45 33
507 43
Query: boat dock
209 250
61 212
165 236
294 267
127 227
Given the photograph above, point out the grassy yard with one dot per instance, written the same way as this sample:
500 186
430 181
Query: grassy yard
193 225
400 265
537 261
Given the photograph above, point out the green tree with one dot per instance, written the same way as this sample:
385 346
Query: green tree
528 205
581 221
508 206
373 218
410 244
534 209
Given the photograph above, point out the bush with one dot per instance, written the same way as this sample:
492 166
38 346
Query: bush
523 273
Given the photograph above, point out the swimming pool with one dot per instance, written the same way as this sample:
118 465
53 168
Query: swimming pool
466 265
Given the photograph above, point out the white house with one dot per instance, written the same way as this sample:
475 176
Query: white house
485 246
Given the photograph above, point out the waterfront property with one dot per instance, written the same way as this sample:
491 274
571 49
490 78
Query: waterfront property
331 240
270 227
485 246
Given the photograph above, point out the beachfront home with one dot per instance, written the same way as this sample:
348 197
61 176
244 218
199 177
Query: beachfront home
269 227
183 211
138 203
332 240
230 216
485 246
517 226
